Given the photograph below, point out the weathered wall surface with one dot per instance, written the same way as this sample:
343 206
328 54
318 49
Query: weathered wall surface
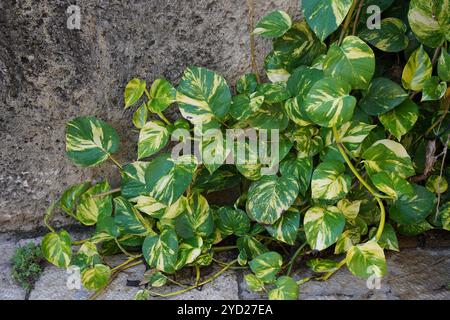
50 74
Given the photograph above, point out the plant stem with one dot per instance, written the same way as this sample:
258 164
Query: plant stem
329 274
252 40
162 295
224 248
115 272
115 162
107 193
48 215
163 118
355 23
347 21
364 183
294 257
197 274
125 252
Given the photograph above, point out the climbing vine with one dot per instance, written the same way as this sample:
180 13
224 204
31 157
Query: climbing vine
359 116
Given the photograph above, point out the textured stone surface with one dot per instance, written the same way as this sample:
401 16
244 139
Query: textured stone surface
50 74
9 290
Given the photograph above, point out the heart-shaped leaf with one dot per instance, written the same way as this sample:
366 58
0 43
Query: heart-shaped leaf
203 95
323 226
390 37
353 61
266 266
71 196
196 220
430 21
273 25
162 95
152 138
140 116
433 89
125 217
56 248
286 289
417 70
391 184
383 95
96 278
90 141
401 119
286 228
133 179
91 207
161 251
299 167
133 91
328 102
232 221
329 181
366 260
325 16
270 196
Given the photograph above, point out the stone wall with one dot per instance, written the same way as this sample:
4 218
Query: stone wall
50 74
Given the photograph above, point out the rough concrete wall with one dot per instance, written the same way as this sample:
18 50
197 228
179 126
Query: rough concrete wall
50 74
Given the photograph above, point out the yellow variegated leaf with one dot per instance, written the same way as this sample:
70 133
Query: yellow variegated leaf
366 260
273 25
323 226
329 181
160 251
401 119
56 248
152 138
417 70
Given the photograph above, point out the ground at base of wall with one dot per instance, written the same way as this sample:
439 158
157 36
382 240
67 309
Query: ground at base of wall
413 273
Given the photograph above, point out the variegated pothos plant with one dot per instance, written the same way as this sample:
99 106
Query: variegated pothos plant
363 116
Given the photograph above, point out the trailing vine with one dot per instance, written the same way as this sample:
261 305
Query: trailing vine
360 156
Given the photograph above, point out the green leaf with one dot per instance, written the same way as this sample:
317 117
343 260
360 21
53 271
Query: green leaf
325 16
328 102
90 141
266 266
445 217
351 135
329 181
300 168
430 21
107 225
302 79
273 25
56 248
223 178
96 278
140 116
352 62
286 289
401 119
388 239
383 95
269 117
350 209
391 184
347 240
322 265
160 252
152 138
167 179
286 228
126 218
133 179
154 278
232 221
390 156
433 89
436 184
443 65
366 260
245 105
189 250
412 230
133 91
162 94
275 68
412 209
273 92
390 37
323 226
247 83
203 95
250 247
308 141
298 46
270 196
71 196
158 210
91 207
253 283
141 295
417 70
196 220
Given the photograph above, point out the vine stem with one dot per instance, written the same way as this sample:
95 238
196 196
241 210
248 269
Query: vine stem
48 215
114 273
358 13
364 183
115 162
347 21
294 257
329 274
107 193
216 275
252 40
224 248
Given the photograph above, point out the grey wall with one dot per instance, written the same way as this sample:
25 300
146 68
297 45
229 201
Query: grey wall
50 74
